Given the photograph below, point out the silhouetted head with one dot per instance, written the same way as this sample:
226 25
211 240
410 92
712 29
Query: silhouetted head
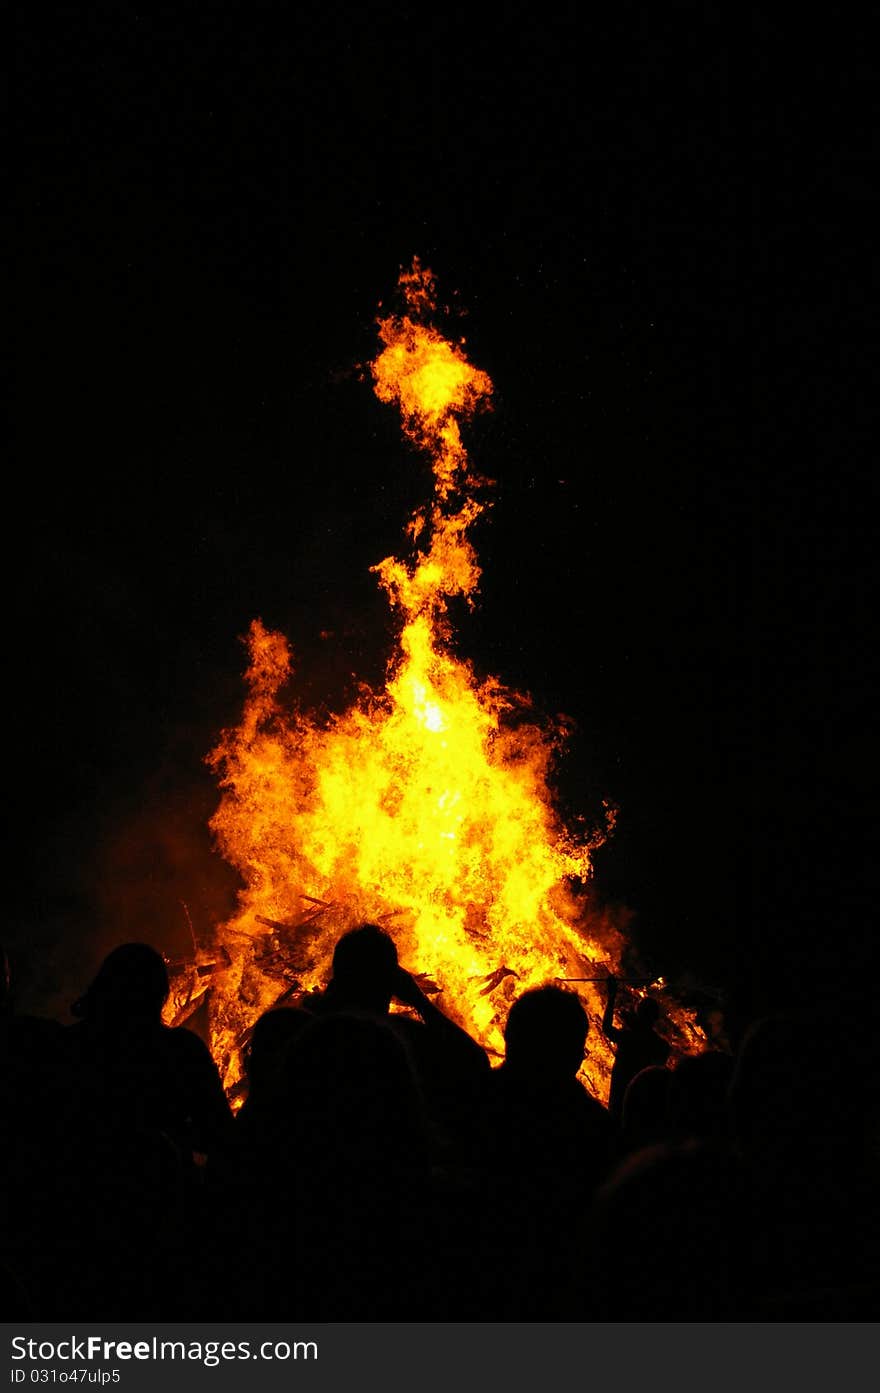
364 969
698 1095
647 1013
771 1096
798 1094
545 1034
131 984
270 1037
644 1119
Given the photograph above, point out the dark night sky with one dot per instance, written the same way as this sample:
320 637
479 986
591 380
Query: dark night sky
663 263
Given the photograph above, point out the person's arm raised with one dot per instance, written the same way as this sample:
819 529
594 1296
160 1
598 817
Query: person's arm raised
409 993
609 1029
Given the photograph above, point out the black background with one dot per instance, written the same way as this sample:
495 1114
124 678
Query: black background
654 233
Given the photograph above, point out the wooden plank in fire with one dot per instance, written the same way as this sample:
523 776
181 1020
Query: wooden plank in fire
189 1007
244 1036
274 923
281 960
181 965
425 983
494 979
286 995
283 927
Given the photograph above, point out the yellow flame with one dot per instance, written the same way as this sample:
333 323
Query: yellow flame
427 804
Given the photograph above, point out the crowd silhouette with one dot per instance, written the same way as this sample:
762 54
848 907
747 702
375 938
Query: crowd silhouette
382 1169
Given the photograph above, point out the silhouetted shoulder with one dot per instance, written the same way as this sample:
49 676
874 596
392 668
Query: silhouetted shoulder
190 1048
208 1104
595 1115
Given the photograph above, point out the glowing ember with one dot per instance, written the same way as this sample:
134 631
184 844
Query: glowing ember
426 806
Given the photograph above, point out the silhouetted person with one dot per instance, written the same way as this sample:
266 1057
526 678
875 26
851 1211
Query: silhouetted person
546 1145
99 1115
365 971
450 1066
804 1107
273 1032
333 1226
353 1096
664 1241
637 1044
698 1095
37 1132
542 1117
136 1071
260 1127
34 1079
644 1119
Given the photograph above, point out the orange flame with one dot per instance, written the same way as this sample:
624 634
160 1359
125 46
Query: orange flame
425 806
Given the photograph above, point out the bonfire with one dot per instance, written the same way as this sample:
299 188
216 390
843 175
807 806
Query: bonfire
427 806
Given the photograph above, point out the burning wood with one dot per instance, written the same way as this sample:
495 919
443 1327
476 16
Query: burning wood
300 924
188 1009
494 979
191 981
204 969
275 924
426 983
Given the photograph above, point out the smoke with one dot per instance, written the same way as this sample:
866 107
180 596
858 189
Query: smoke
142 869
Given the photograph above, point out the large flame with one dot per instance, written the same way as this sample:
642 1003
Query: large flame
427 805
